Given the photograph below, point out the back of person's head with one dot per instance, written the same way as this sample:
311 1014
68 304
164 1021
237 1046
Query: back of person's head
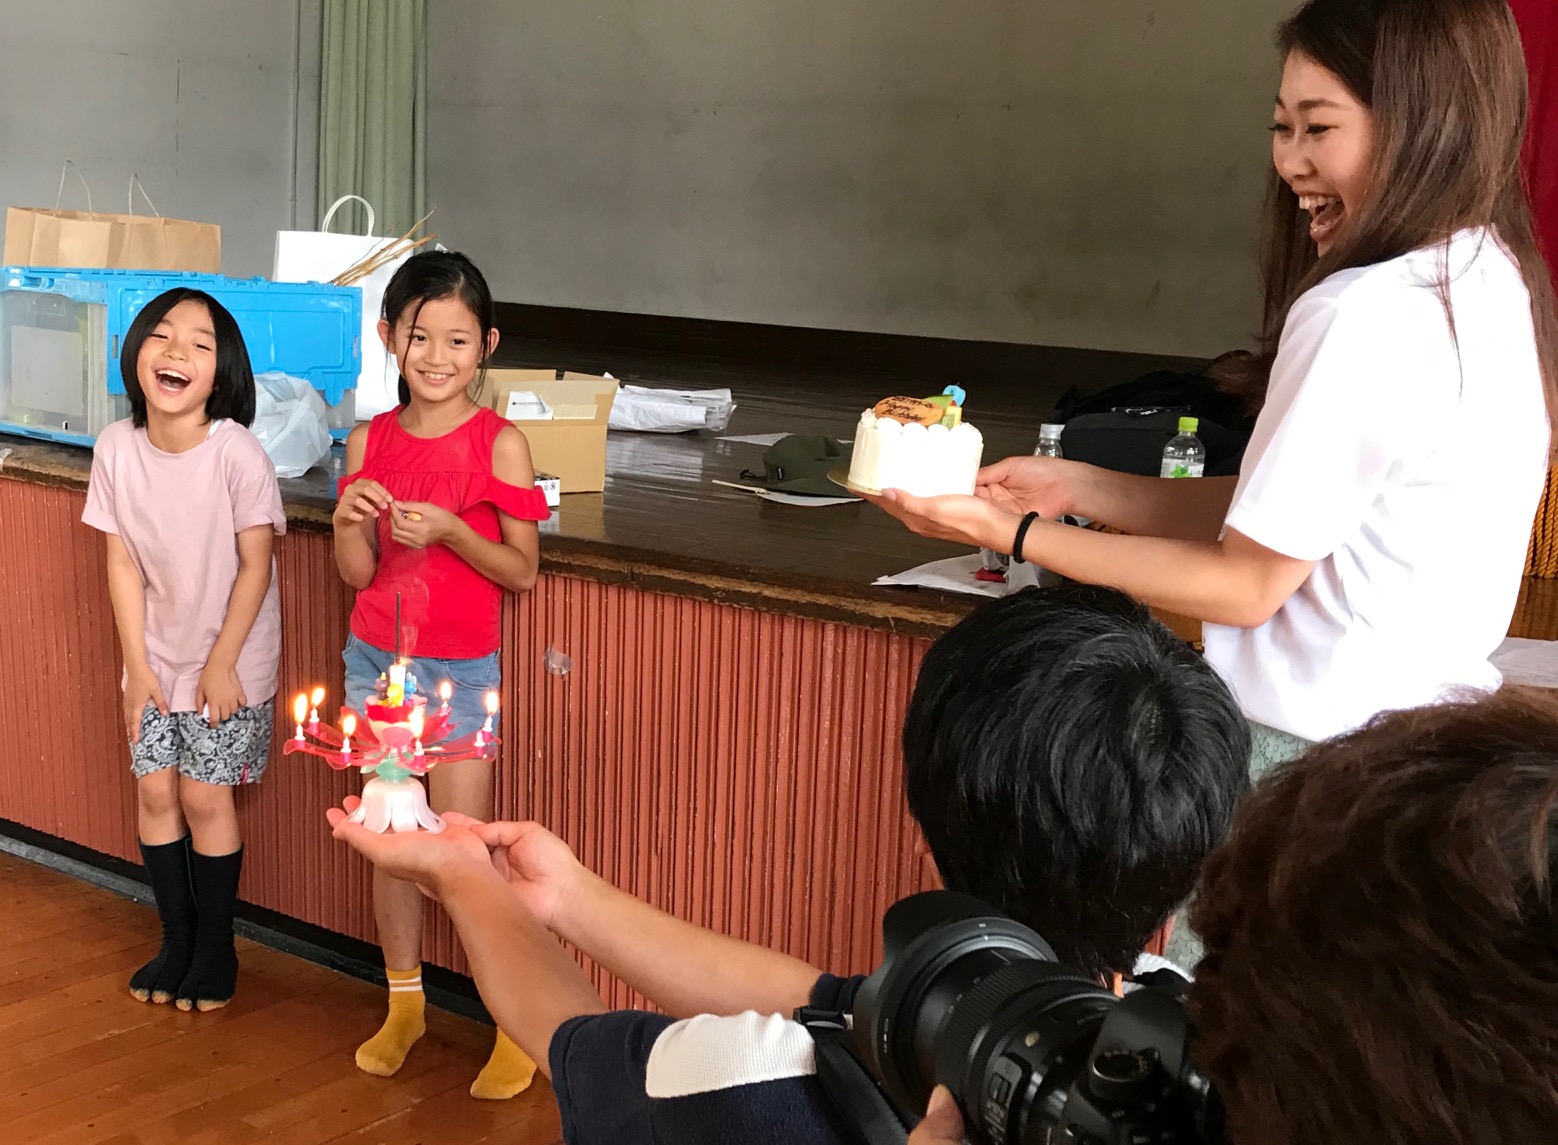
1381 960
428 277
1445 84
1071 762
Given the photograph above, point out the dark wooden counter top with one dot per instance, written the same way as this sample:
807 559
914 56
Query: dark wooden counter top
662 525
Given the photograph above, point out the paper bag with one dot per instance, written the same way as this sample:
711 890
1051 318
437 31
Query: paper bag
319 256
49 236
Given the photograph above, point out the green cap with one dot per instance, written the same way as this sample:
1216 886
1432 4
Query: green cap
800 463
1189 424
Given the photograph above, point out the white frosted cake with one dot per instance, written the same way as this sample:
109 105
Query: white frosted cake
898 445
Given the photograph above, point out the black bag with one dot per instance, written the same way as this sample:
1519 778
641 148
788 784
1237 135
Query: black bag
1125 427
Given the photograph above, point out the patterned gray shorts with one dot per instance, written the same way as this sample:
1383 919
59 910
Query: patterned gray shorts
232 753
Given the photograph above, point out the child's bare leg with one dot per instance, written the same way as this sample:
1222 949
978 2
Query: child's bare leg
158 817
397 910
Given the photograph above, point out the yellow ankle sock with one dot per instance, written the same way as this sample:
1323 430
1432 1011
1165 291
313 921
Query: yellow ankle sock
385 1052
508 1071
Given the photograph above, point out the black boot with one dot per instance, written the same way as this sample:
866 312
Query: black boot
167 864
213 975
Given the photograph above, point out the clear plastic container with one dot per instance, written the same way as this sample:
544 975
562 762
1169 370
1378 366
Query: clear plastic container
54 367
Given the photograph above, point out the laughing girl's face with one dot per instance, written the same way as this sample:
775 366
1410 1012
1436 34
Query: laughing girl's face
177 363
1322 145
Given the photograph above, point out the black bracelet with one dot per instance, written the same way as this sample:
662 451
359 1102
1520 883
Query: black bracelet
1022 535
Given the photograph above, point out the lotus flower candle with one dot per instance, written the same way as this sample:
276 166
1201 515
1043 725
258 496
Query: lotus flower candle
393 743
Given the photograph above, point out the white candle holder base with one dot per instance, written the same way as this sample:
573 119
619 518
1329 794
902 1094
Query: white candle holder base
395 805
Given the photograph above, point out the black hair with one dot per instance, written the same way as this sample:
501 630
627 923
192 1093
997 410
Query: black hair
1071 762
434 275
232 387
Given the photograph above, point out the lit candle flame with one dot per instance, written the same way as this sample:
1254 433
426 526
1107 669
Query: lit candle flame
445 690
348 724
300 707
317 697
416 722
492 703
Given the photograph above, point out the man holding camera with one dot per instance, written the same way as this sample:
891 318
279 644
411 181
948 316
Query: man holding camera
1068 761
1381 939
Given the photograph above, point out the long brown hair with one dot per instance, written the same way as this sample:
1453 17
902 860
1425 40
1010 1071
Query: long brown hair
1446 83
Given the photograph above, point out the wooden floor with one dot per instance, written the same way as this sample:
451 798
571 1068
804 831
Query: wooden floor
82 1062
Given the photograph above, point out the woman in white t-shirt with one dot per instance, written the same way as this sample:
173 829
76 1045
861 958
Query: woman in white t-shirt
1369 553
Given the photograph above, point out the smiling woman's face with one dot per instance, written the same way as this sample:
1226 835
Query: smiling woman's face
1322 145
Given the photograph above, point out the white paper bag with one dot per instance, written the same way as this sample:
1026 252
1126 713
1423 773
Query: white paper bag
319 256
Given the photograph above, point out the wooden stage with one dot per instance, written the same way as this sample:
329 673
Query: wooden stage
81 1062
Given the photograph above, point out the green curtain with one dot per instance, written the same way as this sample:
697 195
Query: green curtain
373 112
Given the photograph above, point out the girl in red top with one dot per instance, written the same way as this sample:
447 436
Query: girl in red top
438 508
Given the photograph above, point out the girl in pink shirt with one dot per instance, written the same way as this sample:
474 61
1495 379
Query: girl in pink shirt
190 505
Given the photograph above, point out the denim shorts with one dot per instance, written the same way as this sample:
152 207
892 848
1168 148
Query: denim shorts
233 753
472 680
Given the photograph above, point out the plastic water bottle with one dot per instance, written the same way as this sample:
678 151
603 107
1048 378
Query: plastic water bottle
1184 456
1023 575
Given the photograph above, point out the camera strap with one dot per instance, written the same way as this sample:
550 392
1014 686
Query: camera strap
858 1103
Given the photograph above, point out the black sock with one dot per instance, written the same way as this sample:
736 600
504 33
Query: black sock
167 866
213 973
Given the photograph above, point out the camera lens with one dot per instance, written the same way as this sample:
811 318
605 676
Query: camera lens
1014 1043
1033 1051
976 1002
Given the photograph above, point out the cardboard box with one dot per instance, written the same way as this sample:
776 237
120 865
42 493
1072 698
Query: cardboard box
571 446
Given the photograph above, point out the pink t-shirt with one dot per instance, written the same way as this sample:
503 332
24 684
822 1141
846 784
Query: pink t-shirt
179 515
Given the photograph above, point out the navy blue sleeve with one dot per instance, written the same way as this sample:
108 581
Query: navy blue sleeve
598 1063
633 1078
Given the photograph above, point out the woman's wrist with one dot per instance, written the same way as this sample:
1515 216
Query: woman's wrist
1000 529
1020 536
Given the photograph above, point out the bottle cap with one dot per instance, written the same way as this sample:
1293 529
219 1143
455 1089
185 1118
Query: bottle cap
1189 424
1049 429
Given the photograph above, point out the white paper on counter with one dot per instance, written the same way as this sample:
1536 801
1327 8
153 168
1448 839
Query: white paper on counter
1528 661
763 439
802 500
767 439
955 574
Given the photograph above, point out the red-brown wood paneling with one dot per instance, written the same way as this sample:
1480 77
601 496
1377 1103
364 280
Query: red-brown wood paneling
738 768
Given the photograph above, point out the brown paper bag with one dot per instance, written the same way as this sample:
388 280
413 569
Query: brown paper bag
44 236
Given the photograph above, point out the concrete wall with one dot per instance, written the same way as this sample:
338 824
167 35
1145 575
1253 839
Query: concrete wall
214 105
1052 171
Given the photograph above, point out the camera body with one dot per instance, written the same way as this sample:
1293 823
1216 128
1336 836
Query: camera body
1034 1052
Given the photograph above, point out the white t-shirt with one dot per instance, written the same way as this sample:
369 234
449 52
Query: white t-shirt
1409 464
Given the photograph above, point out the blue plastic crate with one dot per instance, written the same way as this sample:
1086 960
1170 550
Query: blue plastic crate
309 330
